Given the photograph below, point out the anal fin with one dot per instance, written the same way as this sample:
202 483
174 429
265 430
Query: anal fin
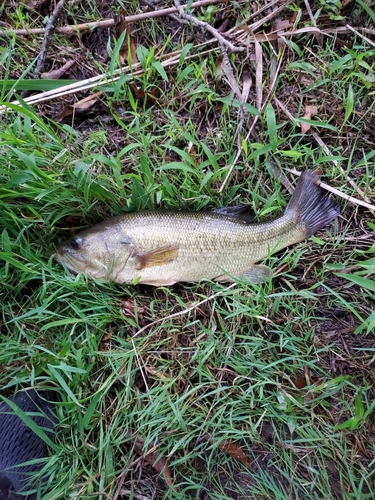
156 257
258 273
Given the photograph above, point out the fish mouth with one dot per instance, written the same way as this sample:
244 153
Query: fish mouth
73 261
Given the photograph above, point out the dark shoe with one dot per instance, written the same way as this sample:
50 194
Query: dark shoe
19 444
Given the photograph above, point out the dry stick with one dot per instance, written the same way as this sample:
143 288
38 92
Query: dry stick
258 24
228 73
227 67
246 85
328 153
267 6
107 23
286 111
283 179
249 30
185 311
91 82
360 35
258 74
367 202
343 29
202 24
139 364
172 16
46 39
101 79
311 15
335 191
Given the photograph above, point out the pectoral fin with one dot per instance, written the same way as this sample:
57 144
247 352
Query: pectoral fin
156 257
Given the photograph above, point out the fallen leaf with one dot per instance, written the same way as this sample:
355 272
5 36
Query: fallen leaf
302 382
226 70
224 24
130 308
157 461
246 85
233 450
280 25
219 66
104 345
310 111
160 374
128 44
79 106
149 97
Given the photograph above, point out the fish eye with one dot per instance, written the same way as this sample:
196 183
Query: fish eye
76 243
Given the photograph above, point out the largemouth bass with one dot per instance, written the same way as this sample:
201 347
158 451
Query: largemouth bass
161 248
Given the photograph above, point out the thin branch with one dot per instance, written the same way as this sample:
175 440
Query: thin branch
253 27
328 153
107 23
202 24
140 364
337 192
169 60
47 38
267 6
311 15
185 311
172 16
370 42
343 29
225 45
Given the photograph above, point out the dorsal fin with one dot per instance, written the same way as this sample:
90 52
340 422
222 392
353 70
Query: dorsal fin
239 212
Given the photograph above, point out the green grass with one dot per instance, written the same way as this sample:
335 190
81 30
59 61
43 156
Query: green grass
282 369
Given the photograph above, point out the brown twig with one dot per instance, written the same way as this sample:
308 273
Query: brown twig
47 38
202 24
169 60
328 153
337 192
107 23
370 42
261 22
172 16
325 148
225 45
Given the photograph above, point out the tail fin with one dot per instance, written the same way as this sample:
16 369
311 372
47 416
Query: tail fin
311 204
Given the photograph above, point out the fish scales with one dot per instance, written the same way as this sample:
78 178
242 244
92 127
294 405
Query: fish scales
206 243
161 247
